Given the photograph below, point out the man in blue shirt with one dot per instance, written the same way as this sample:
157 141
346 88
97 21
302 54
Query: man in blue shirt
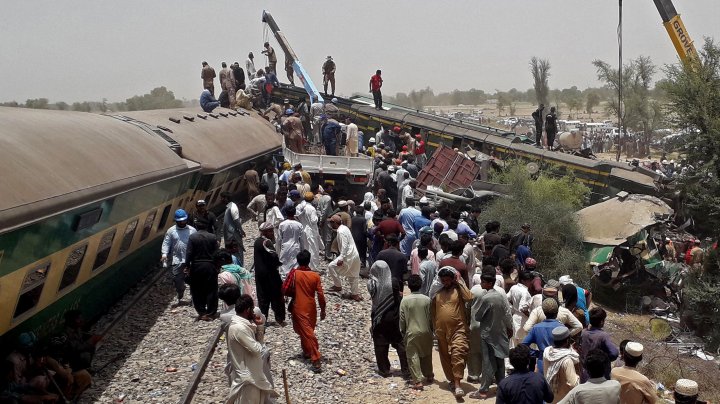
208 102
596 338
541 333
523 386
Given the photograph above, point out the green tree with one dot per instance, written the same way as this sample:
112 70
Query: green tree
637 80
158 98
693 92
592 100
61 105
81 106
37 103
548 203
503 100
540 69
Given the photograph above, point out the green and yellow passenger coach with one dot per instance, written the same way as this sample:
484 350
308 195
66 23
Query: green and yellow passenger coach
85 200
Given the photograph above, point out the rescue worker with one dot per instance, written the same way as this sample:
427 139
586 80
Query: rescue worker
272 58
328 70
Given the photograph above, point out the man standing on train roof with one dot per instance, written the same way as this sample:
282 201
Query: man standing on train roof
551 128
239 76
227 83
375 85
537 116
175 243
250 67
272 57
207 101
232 226
328 70
208 76
203 215
202 272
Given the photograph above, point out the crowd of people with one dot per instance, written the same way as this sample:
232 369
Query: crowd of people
437 279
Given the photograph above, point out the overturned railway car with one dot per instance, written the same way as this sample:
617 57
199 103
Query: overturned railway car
603 178
86 200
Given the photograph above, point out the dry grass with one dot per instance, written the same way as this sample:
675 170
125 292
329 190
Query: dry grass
661 362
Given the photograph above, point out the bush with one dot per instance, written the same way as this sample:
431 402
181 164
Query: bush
700 301
548 204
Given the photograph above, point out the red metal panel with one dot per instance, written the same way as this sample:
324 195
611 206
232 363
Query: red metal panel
448 169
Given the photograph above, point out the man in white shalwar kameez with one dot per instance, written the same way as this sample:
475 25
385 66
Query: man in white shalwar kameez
308 217
274 217
347 263
249 384
291 241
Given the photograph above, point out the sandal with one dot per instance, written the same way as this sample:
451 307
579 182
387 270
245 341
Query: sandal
459 392
478 395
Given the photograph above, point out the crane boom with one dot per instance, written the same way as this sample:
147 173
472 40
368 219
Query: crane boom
289 53
676 29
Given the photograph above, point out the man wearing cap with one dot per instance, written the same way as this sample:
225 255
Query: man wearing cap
634 386
308 218
561 364
268 283
564 316
203 215
347 263
686 392
328 71
376 82
202 273
175 243
232 226
541 333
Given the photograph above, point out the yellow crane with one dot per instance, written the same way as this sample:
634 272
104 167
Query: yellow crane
676 29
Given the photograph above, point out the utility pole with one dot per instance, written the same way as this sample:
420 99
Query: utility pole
621 129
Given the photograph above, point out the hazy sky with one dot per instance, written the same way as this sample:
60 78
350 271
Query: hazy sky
74 50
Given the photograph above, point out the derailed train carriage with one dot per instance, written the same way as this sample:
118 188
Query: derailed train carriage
87 198
604 178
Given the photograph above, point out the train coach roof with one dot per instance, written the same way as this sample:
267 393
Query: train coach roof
214 143
52 161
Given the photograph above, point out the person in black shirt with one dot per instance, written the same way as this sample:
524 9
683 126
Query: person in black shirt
538 118
551 128
396 260
202 215
523 386
202 272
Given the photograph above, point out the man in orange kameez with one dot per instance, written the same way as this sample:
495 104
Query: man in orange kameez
304 310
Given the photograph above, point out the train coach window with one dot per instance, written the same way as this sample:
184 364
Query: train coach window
72 267
147 227
128 236
164 217
32 288
103 250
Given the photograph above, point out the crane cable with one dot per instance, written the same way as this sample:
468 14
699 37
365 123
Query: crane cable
266 37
